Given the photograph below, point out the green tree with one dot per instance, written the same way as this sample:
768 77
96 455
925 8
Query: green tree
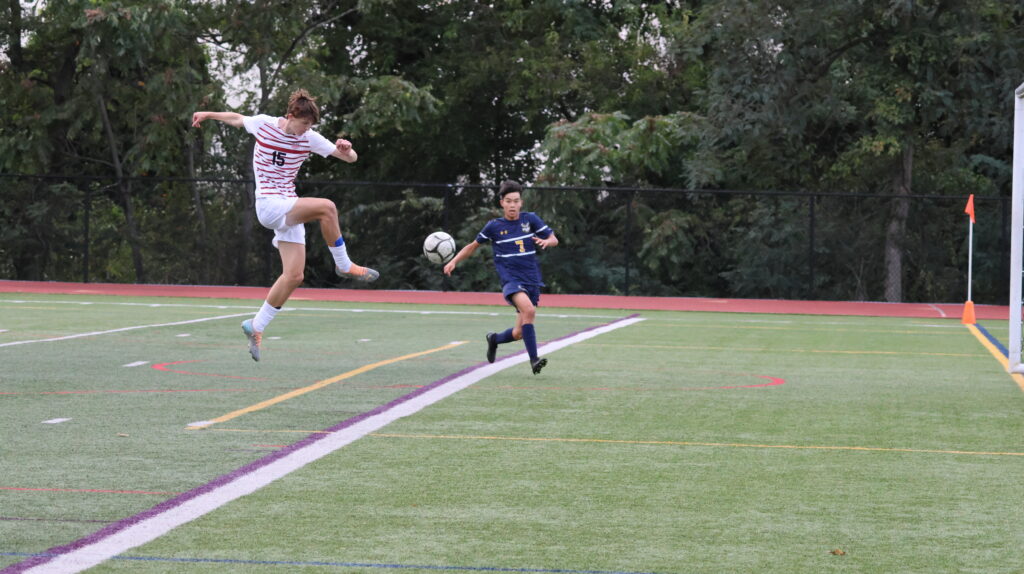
99 88
271 48
887 98
859 96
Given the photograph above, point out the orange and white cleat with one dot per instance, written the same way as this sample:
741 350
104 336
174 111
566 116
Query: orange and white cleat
358 273
255 339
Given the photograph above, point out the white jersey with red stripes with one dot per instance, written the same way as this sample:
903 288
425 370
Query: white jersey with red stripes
277 156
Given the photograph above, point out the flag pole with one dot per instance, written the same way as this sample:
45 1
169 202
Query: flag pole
968 316
970 259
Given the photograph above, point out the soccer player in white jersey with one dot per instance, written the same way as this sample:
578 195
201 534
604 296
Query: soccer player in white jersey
514 239
282 144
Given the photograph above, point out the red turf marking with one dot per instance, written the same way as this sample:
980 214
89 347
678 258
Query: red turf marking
163 367
130 391
775 381
950 311
92 490
510 388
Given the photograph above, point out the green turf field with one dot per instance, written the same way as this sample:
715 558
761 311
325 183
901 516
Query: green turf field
684 443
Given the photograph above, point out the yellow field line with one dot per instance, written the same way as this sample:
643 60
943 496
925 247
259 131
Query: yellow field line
764 349
713 444
649 442
315 386
948 331
1017 378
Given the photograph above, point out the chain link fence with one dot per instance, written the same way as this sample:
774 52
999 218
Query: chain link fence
613 240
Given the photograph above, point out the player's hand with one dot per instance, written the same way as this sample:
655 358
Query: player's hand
542 243
198 118
344 151
449 267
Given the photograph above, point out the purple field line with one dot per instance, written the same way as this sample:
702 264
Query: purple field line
250 468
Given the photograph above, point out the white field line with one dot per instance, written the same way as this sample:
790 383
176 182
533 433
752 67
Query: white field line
55 421
123 329
140 529
318 309
136 364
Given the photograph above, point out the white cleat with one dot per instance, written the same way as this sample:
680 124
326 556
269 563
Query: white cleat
255 338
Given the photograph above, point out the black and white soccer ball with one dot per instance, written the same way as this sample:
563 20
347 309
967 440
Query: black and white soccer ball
439 247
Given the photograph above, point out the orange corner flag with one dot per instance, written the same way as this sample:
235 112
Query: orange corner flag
969 210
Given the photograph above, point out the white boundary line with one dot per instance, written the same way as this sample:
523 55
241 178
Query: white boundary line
122 329
326 309
137 530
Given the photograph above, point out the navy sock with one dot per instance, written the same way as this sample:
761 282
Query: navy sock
530 340
504 337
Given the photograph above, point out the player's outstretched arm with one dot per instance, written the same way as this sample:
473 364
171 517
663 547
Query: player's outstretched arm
230 118
344 151
463 253
549 241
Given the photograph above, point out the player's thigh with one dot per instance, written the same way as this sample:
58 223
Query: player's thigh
293 258
310 209
523 304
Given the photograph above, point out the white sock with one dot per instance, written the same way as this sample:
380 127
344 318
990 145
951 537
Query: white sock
264 317
341 257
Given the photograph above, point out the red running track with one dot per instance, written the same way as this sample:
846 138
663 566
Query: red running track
862 308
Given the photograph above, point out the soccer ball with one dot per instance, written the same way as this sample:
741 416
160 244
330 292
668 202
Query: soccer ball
439 247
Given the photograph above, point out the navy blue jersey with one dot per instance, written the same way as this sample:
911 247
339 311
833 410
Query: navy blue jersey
515 254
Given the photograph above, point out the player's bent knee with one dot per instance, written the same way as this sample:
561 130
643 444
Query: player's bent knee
328 209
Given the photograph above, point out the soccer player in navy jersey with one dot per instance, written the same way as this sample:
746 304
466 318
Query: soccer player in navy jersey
514 240
282 144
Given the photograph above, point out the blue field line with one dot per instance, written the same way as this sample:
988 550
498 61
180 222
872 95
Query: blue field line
993 340
344 564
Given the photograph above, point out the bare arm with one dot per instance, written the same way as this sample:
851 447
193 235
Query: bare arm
345 151
230 118
549 241
464 253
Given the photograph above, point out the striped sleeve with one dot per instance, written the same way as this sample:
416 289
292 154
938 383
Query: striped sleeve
319 144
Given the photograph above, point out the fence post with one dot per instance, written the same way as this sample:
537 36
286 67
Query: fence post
87 201
810 249
629 233
446 215
1004 239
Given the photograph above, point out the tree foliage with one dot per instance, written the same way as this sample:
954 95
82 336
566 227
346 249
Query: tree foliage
898 99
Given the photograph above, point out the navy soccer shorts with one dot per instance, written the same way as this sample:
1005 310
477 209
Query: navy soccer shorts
511 288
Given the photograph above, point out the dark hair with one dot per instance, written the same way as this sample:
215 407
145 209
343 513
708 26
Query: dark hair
302 105
508 186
